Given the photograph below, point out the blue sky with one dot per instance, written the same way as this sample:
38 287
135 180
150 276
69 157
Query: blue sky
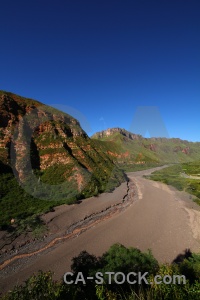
102 60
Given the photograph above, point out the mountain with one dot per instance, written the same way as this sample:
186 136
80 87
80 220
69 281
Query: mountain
130 150
46 158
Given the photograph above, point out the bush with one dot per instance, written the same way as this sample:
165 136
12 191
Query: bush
121 259
191 268
117 259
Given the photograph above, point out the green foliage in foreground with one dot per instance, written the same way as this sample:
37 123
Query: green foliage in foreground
117 259
180 177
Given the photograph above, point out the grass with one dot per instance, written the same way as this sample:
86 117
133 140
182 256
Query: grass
22 204
15 203
173 175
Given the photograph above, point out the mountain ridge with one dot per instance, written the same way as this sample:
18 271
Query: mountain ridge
141 150
111 130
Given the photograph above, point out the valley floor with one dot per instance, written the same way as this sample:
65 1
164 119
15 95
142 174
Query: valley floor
156 217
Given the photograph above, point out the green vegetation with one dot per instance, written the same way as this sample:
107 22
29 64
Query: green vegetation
117 259
192 168
180 176
16 204
24 203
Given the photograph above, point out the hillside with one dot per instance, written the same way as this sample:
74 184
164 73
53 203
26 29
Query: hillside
131 150
53 159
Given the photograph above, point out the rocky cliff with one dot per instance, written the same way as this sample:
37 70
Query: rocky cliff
111 131
49 147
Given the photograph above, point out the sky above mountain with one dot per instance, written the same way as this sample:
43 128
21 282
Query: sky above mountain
130 64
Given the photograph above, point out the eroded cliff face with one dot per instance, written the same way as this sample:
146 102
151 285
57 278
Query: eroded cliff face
26 122
111 131
37 137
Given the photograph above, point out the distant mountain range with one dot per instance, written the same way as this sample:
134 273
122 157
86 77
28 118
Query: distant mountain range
53 158
131 149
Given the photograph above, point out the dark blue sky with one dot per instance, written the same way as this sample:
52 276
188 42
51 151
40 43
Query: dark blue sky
101 60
